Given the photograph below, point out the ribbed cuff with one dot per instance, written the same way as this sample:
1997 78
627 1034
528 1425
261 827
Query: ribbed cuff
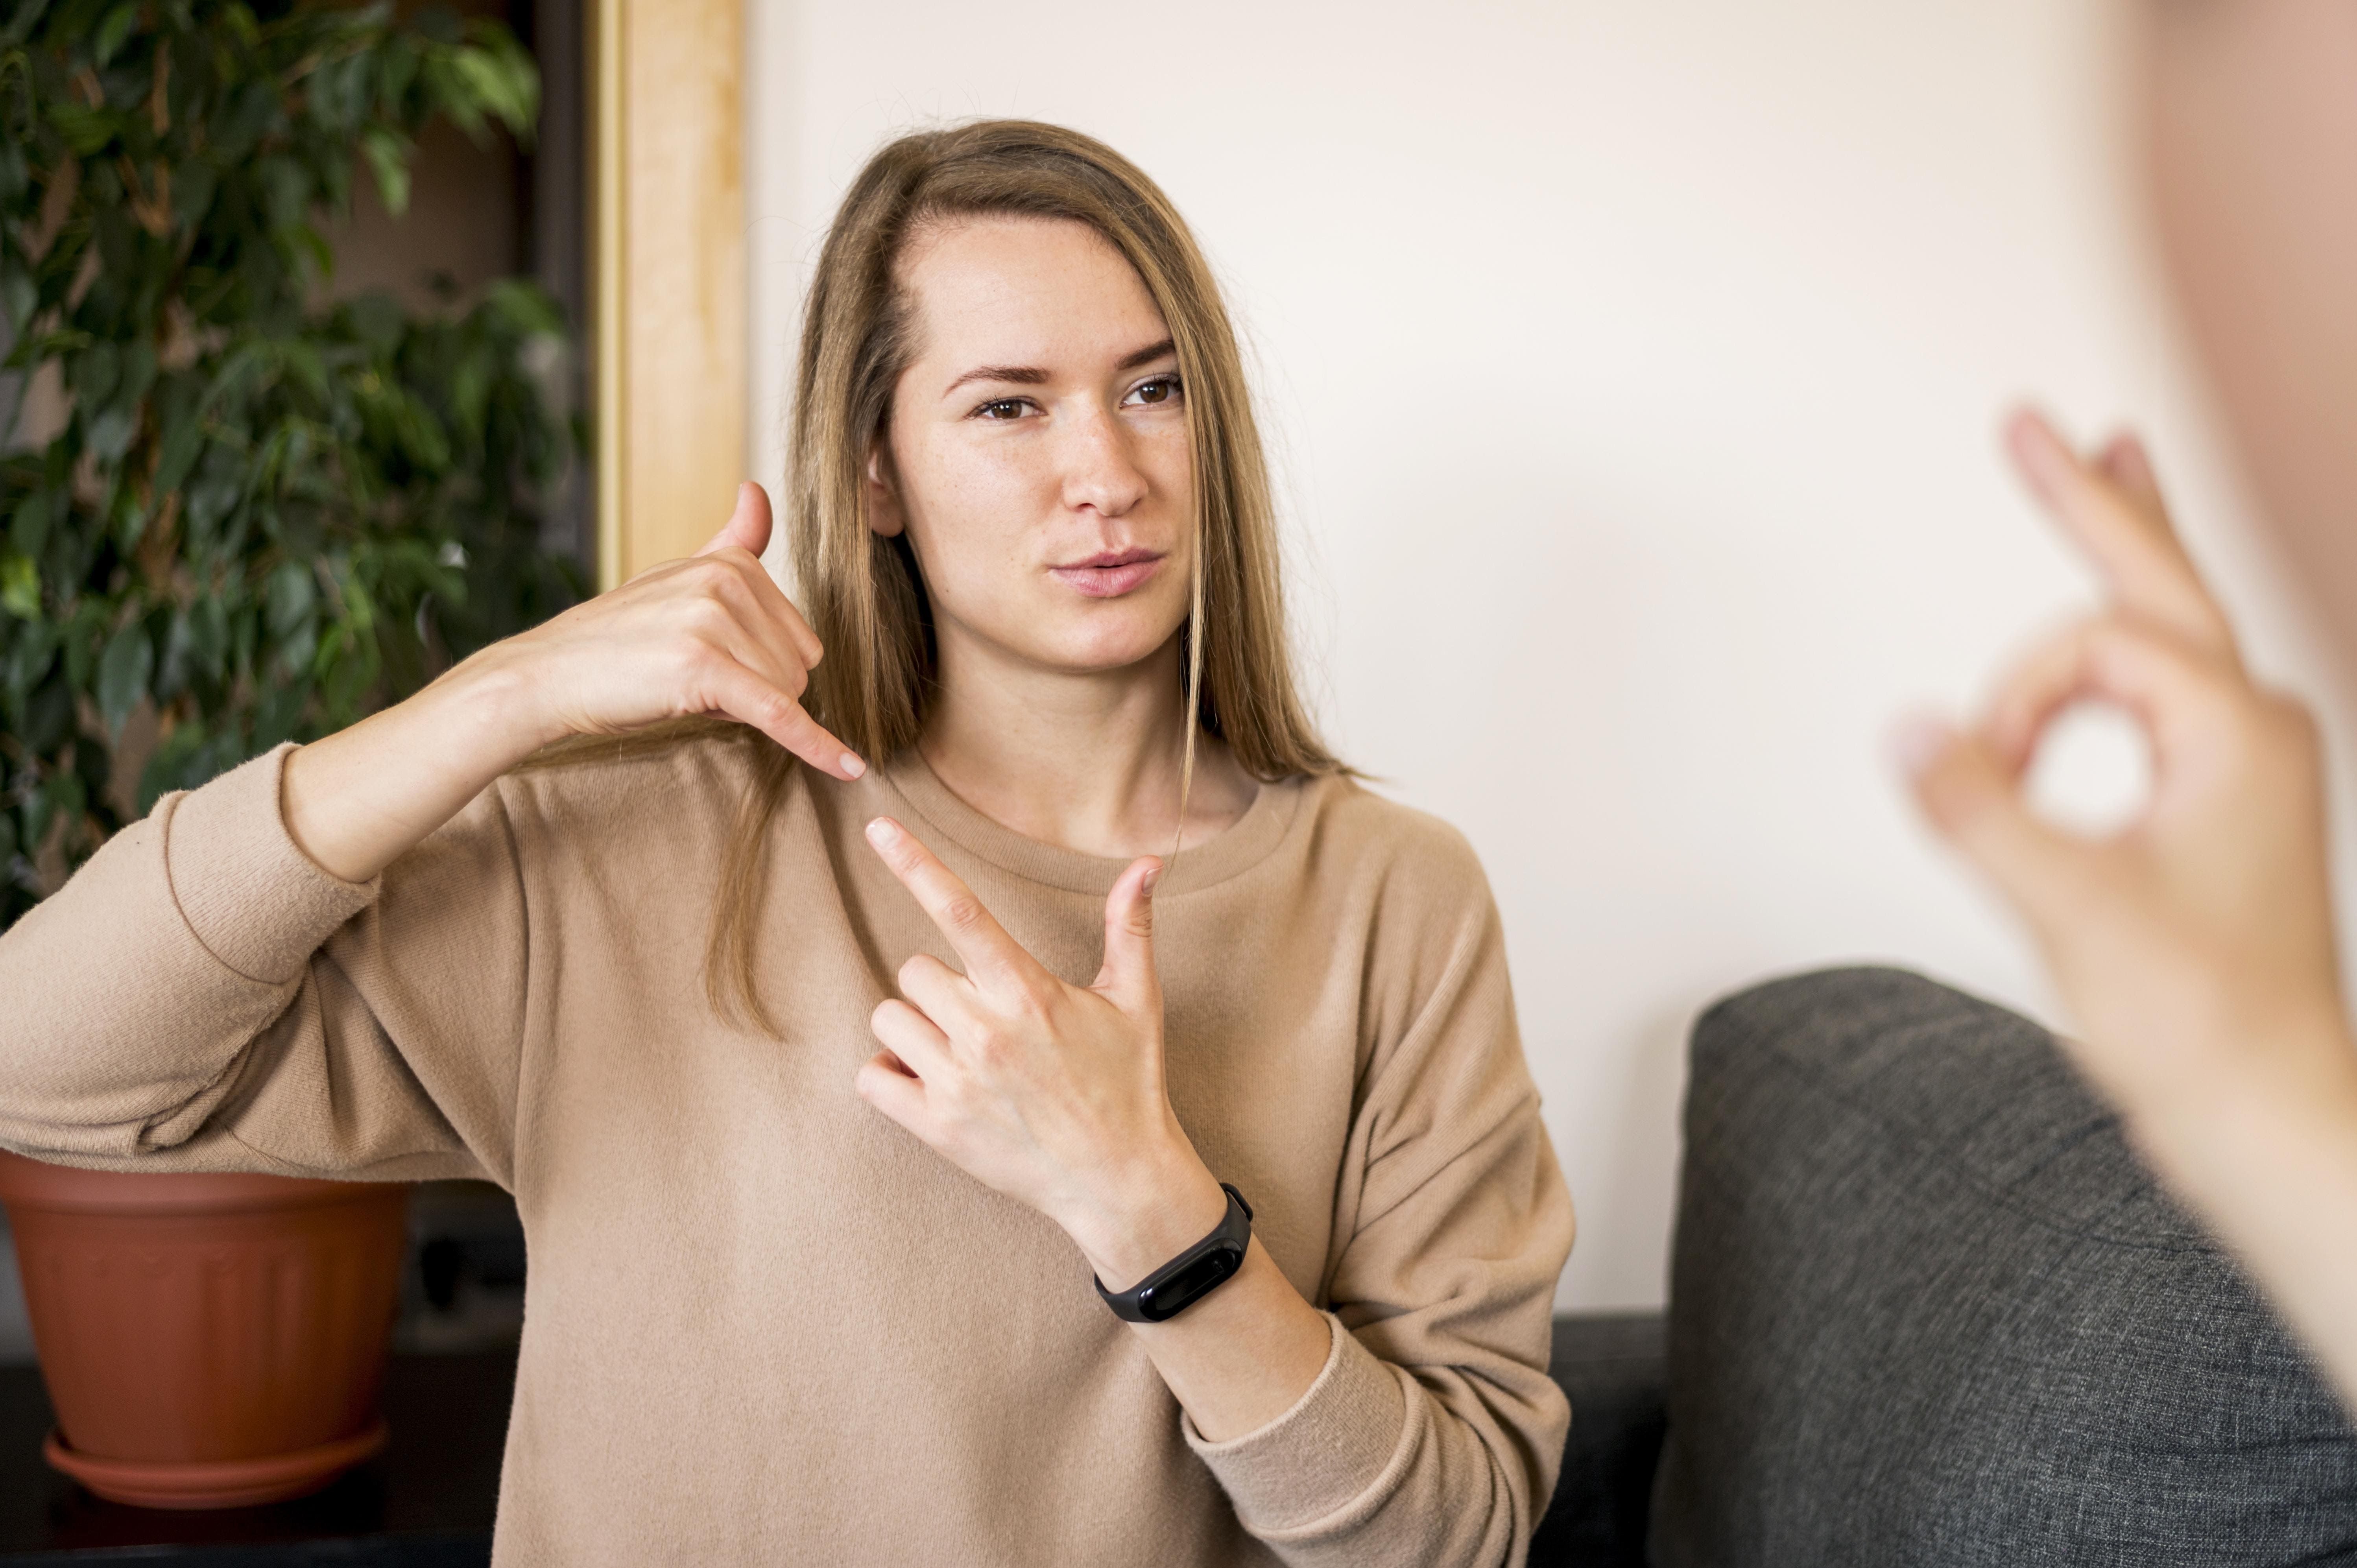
1338 1442
248 892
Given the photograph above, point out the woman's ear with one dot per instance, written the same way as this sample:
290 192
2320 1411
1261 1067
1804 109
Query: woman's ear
884 514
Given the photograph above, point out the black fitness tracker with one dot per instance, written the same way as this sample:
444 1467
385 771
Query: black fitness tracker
1192 1275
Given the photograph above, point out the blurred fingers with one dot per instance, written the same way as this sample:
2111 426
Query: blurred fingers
2186 703
2112 508
1972 798
2126 463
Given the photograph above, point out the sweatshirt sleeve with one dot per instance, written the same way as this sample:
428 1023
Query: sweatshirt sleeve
202 996
1434 1434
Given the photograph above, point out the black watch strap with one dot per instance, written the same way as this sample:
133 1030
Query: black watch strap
1192 1275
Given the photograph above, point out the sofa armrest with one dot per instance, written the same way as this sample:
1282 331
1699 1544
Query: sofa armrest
1614 1368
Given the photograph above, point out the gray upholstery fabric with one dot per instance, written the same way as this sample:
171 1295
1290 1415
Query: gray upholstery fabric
1613 1366
1927 1309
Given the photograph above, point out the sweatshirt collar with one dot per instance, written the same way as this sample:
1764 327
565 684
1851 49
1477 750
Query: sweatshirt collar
1243 844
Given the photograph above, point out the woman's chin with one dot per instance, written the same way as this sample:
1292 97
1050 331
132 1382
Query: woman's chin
1094 653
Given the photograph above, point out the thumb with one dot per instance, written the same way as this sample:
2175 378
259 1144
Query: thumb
1973 800
1128 974
747 527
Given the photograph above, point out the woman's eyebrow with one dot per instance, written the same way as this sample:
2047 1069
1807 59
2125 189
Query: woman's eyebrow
1148 354
1032 376
1021 375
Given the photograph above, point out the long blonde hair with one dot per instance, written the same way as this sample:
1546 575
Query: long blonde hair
862 592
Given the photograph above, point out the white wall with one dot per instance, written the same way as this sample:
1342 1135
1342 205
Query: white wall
1637 366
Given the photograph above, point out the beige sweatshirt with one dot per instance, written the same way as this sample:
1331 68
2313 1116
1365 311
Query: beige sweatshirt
766 1324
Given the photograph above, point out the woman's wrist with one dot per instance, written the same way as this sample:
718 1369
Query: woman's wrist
2300 1060
1146 1216
503 709
358 800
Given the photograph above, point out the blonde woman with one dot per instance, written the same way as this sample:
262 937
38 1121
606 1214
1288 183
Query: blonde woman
822 1026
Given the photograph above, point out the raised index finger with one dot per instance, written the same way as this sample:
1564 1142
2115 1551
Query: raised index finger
980 941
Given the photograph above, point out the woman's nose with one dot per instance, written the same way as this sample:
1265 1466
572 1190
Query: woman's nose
1099 469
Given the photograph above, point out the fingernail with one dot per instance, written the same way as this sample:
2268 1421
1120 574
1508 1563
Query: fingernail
880 830
852 765
1918 740
1146 886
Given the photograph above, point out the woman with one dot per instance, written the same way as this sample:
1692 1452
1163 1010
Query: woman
818 1122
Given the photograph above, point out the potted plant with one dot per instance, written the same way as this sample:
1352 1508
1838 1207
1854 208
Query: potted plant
260 513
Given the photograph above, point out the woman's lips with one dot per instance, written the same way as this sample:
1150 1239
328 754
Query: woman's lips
1110 575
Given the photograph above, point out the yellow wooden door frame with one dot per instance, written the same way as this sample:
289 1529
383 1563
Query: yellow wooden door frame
670 266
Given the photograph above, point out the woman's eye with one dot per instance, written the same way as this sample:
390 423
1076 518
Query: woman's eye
1161 390
1002 408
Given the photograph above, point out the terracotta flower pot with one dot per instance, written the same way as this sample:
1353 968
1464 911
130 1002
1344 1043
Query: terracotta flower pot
209 1341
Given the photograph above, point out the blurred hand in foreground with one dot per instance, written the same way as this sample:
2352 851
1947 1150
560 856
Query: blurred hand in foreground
2194 949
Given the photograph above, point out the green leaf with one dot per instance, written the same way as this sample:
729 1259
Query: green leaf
122 672
208 637
294 593
178 660
277 714
286 190
109 434
20 587
183 759
29 529
19 296
82 632
95 374
23 19
501 81
524 306
388 156
193 184
114 30
183 440
86 130
378 320
138 371
66 795
29 663
337 92
49 716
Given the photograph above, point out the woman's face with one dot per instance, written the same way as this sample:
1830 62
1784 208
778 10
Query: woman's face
1039 458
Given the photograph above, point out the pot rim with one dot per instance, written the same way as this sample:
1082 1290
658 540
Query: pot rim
37 1187
215 1483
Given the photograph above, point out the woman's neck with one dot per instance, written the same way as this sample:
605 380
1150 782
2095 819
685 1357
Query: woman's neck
1089 762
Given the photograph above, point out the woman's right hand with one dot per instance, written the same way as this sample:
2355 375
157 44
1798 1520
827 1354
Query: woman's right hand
711 634
2199 941
2195 949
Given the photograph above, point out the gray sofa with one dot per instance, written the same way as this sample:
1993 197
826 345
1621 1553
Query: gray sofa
1927 1308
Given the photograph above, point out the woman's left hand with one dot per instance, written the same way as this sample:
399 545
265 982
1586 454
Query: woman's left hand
1049 1092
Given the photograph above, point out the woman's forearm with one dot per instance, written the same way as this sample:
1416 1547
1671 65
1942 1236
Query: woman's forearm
711 634
2268 1156
1241 1356
358 800
1244 1355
